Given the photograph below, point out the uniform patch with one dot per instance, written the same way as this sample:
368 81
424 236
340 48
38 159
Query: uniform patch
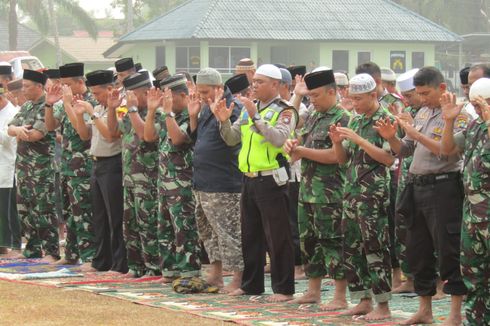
245 116
286 117
269 115
461 121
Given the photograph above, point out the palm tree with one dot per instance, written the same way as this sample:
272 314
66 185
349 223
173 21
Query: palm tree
42 14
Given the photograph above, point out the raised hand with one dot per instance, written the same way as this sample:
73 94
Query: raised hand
67 94
450 110
300 88
394 109
482 104
221 112
386 129
350 134
249 105
114 100
167 100
409 129
131 99
12 99
53 94
154 99
406 116
194 105
81 107
335 136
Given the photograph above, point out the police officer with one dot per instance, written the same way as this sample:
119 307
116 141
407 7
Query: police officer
435 225
35 152
320 195
263 129
106 180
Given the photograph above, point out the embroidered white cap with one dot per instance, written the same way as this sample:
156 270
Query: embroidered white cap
361 84
270 71
404 82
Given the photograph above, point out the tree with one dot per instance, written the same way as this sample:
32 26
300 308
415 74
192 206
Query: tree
42 14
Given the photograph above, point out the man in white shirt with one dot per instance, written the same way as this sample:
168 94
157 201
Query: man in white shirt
9 223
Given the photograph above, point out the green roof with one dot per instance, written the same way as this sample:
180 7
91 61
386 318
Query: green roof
306 20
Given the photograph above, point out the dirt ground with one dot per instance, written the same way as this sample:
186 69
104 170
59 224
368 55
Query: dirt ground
25 304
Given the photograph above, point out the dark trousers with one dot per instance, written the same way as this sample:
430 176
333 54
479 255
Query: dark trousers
395 263
10 236
107 205
435 230
293 220
265 219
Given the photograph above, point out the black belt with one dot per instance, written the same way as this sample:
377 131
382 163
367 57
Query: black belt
102 158
428 179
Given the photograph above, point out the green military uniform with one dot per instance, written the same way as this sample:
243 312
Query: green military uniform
320 199
388 99
76 166
140 174
35 188
177 231
365 219
475 234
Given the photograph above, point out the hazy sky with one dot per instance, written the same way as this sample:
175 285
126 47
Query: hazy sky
100 8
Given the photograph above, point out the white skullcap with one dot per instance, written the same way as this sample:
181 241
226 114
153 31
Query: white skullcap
341 79
388 75
361 84
321 68
404 82
270 71
480 88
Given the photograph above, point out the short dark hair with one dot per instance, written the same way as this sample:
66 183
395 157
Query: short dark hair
428 76
485 67
369 68
180 89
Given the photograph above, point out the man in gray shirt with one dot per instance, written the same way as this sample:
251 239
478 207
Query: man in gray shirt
434 228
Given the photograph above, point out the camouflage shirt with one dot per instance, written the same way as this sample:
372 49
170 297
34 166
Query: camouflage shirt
321 183
388 98
75 159
34 158
140 158
175 168
364 174
476 177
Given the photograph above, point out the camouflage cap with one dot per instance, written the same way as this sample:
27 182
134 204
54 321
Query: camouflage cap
361 84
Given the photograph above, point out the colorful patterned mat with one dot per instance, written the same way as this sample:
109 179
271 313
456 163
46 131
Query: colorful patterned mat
244 310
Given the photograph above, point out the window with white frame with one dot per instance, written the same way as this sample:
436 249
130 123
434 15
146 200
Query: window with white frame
225 58
188 58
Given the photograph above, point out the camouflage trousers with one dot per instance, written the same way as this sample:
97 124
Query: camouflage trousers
321 239
140 229
79 227
401 229
36 208
218 224
366 248
475 267
177 233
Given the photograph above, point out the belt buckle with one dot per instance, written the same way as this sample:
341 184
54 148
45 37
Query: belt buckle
442 177
251 174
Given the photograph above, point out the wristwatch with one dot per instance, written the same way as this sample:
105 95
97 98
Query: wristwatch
171 115
133 109
256 117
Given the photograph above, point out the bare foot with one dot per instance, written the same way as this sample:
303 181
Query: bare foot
234 284
4 250
64 261
215 281
396 278
381 312
334 305
278 298
49 259
168 279
267 268
364 307
15 254
308 297
406 287
236 293
439 295
453 321
299 273
420 317
87 267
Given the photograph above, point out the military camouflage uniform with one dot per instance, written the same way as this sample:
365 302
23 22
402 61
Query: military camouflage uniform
35 190
320 199
475 234
400 222
177 231
140 173
365 219
76 166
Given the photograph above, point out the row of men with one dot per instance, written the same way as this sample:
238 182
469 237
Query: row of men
343 195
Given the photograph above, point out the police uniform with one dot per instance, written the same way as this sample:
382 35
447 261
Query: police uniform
435 225
265 199
107 190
